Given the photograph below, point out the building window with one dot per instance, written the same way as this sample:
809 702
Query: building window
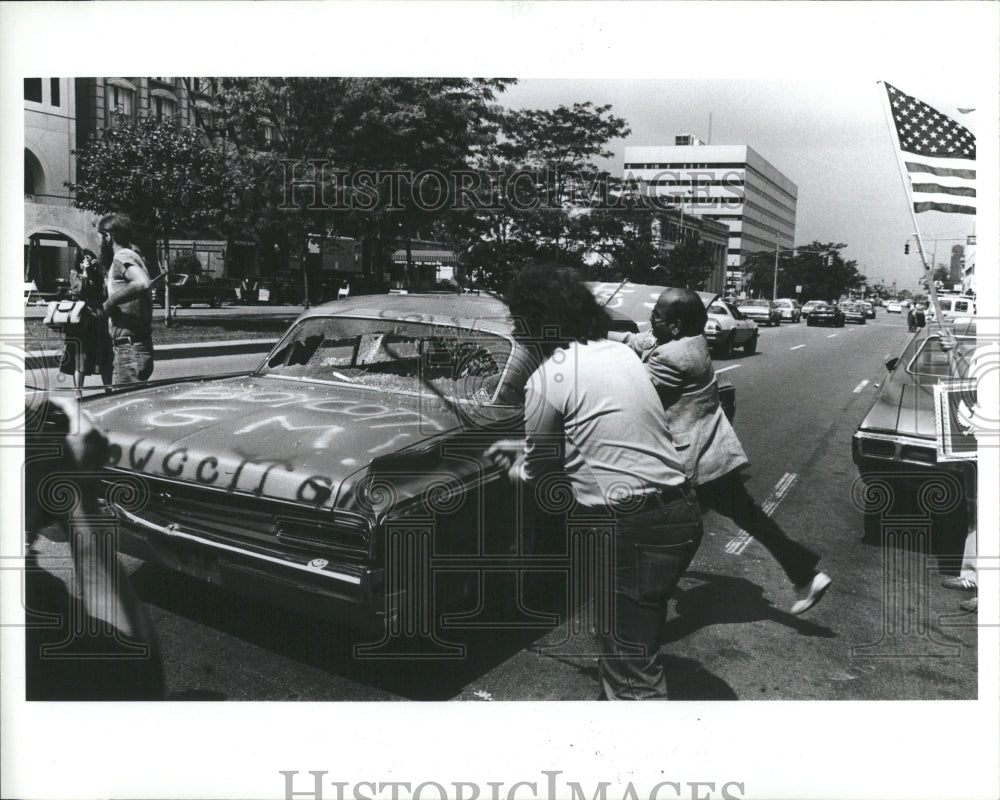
33 89
121 101
163 108
56 99
168 81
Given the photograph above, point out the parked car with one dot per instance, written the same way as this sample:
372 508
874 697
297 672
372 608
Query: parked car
728 328
186 290
761 311
898 447
893 307
868 308
808 307
826 314
853 312
790 309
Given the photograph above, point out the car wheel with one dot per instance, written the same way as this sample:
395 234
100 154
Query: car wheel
840 324
751 345
725 349
215 301
185 304
809 323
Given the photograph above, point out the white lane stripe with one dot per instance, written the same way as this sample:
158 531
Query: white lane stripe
831 336
731 366
860 386
741 541
796 347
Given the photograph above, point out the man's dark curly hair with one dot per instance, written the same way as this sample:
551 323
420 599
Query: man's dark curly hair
551 305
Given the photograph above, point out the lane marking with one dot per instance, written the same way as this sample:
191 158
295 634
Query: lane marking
731 366
831 336
860 386
796 347
741 541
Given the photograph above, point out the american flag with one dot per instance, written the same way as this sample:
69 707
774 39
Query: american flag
939 155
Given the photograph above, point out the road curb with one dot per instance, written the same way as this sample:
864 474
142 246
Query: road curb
49 359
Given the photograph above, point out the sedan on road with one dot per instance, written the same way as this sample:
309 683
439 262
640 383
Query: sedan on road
344 475
808 307
853 312
727 328
790 309
893 307
914 449
869 309
825 314
761 311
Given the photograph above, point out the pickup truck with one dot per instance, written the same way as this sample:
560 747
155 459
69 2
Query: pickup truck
185 290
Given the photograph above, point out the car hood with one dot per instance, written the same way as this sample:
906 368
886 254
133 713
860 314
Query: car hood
295 441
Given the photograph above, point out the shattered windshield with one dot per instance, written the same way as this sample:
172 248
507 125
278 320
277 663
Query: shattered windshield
400 356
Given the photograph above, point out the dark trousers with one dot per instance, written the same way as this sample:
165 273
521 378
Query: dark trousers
728 496
649 551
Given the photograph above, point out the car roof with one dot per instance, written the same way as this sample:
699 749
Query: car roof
483 312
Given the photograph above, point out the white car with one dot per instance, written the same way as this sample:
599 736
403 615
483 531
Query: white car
728 328
789 308
893 307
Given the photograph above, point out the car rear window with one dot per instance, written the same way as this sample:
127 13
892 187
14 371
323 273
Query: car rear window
933 360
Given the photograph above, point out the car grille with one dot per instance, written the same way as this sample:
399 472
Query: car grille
239 520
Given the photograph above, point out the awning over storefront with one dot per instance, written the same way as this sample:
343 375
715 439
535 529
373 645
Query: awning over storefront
426 257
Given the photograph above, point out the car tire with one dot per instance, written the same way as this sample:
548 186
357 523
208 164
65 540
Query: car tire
215 301
809 322
185 304
751 345
840 324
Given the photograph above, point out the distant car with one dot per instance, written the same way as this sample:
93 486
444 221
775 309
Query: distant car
808 307
893 307
790 309
186 290
869 309
853 312
826 314
761 311
727 328
897 447
953 306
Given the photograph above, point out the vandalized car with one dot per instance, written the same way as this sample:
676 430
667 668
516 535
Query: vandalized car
905 463
345 475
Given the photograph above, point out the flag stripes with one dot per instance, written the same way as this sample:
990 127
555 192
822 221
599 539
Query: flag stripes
938 153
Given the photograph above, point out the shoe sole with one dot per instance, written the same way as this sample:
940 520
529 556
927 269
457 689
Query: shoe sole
813 600
956 587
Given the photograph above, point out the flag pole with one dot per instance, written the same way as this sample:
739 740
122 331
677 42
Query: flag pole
905 177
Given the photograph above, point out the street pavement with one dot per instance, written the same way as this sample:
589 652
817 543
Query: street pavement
885 631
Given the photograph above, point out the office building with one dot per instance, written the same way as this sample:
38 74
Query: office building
732 184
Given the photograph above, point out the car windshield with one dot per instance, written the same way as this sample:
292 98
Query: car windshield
398 356
762 303
934 360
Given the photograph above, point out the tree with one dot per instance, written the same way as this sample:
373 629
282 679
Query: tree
818 267
540 185
688 266
168 179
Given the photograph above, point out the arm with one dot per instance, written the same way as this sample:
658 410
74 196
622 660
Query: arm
137 282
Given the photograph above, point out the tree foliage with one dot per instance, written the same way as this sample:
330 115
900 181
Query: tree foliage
166 178
819 268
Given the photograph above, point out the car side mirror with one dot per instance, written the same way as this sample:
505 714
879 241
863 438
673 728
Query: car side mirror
891 363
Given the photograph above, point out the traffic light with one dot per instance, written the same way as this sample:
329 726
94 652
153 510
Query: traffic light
906 248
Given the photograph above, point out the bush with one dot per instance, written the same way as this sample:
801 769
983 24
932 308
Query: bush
187 265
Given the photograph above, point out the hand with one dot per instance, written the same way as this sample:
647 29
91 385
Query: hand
505 452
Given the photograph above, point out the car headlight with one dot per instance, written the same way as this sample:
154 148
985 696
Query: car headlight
712 326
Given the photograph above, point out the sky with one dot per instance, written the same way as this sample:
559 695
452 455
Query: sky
829 136
793 80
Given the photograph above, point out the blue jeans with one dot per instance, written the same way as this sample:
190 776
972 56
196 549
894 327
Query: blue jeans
133 362
650 551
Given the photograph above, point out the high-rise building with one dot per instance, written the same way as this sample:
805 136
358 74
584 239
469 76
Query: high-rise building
729 183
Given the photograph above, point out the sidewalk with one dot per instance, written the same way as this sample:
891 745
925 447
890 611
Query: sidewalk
48 359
